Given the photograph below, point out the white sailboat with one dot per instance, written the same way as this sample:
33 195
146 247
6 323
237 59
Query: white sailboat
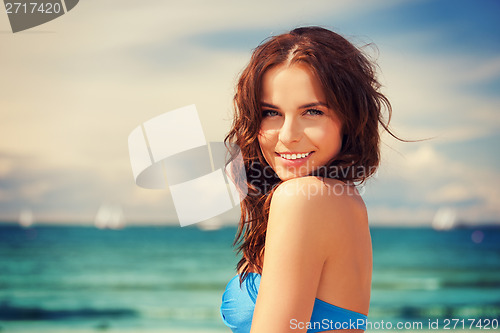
445 219
211 224
26 218
109 216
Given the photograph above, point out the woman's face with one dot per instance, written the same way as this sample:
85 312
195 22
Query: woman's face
298 133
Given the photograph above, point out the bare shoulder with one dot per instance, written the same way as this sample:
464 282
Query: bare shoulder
315 217
323 208
329 200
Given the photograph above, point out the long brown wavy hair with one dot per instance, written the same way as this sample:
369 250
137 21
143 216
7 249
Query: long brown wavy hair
351 88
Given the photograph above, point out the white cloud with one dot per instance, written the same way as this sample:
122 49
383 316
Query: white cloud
453 192
400 216
474 71
426 180
431 94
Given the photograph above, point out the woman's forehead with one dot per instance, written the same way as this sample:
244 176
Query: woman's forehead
295 83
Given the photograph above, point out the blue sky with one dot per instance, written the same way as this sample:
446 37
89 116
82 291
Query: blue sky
74 88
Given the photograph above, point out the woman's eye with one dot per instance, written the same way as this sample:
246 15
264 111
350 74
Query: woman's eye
314 112
269 113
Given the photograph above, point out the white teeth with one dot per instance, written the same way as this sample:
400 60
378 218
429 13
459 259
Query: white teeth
294 156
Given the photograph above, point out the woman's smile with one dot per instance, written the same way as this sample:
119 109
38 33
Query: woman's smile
294 156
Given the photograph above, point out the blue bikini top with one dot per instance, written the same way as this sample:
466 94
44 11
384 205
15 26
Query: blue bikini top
238 304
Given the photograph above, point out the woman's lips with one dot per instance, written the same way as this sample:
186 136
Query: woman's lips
294 162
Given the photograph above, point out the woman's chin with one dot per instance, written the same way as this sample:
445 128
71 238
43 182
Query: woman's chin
284 176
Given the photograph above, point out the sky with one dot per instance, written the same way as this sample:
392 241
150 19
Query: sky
73 89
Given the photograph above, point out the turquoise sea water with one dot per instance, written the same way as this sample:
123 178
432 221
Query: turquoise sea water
172 278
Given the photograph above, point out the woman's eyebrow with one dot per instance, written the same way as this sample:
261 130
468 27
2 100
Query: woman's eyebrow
305 106
267 105
310 105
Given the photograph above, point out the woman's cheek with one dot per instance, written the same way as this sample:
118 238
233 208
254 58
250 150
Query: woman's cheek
267 137
266 144
316 135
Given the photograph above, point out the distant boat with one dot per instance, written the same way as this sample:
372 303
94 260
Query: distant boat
445 219
109 217
26 218
211 224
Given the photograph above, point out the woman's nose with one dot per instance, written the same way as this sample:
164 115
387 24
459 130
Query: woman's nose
291 131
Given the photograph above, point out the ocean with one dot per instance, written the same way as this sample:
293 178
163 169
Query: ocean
171 279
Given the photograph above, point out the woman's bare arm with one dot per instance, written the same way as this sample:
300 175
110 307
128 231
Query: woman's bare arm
305 223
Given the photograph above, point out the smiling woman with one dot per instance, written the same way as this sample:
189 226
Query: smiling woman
307 116
298 133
